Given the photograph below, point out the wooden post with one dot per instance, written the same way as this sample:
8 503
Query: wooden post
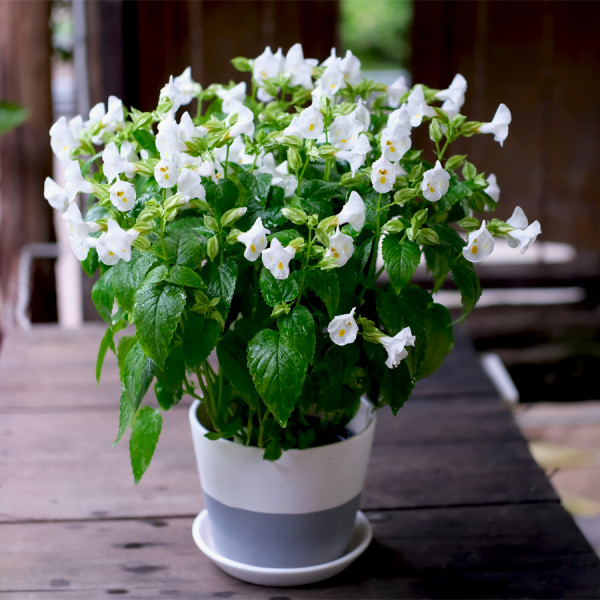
25 155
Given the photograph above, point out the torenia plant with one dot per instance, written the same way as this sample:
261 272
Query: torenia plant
280 226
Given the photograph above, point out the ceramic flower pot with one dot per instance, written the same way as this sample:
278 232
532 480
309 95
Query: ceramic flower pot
297 511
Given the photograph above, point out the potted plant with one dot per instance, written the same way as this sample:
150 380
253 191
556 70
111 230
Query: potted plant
280 226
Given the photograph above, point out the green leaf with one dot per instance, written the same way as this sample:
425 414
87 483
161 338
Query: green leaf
397 386
199 338
126 414
11 116
138 374
299 328
439 336
256 186
222 281
401 259
156 275
317 197
145 431
326 285
231 352
224 197
169 381
184 242
90 262
128 277
275 291
157 310
185 276
146 140
103 296
126 342
277 371
456 192
467 282
106 343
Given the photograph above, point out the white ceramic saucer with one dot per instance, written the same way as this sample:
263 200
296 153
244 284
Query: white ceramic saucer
282 577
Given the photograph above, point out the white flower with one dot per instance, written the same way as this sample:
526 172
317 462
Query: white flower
383 175
168 142
255 240
245 121
499 124
281 177
395 142
180 90
188 131
95 116
435 183
480 244
343 329
79 231
329 83
341 247
127 151
396 347
310 123
357 155
267 65
353 212
276 258
114 118
122 195
115 244
298 67
350 67
114 164
524 234
492 190
63 140
75 181
166 173
395 91
417 107
343 132
453 96
362 115
399 117
190 186
232 96
57 196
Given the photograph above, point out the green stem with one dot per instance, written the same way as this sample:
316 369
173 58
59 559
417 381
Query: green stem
162 228
249 428
226 160
308 248
328 164
302 175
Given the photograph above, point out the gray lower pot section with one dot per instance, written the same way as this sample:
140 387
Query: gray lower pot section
281 541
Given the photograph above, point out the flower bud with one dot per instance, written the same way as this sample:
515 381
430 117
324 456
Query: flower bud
295 215
212 247
231 216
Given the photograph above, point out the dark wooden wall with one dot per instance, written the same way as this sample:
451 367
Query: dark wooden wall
542 59
135 46
25 155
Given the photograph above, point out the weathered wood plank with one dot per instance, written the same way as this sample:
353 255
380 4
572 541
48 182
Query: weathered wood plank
475 552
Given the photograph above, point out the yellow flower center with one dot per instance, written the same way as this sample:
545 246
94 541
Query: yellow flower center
252 247
342 332
311 126
280 266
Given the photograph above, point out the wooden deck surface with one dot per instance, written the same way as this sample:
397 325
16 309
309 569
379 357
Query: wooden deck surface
458 507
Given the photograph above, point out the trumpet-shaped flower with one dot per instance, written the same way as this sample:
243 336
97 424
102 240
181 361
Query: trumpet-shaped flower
341 247
168 141
343 132
281 177
395 91
417 107
453 96
115 244
255 240
114 164
396 347
310 123
267 65
245 121
75 181
180 90
122 195
114 118
330 82
276 258
498 125
64 138
166 173
232 97
298 67
435 183
395 142
492 190
57 196
188 131
127 151
357 154
95 116
524 233
343 329
350 68
353 212
480 244
383 175
79 231
362 115
189 185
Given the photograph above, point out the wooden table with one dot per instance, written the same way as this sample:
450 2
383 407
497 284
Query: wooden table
458 507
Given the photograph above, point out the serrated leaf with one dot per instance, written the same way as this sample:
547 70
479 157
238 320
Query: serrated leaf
138 374
199 338
126 342
257 186
401 260
128 277
184 276
275 291
106 343
467 282
126 413
168 386
184 242
439 339
277 372
145 431
146 140
90 262
326 285
103 296
156 275
157 309
222 281
299 328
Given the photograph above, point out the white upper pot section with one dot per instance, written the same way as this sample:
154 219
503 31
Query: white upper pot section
301 481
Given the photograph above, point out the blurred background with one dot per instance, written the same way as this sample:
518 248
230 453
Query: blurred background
539 316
